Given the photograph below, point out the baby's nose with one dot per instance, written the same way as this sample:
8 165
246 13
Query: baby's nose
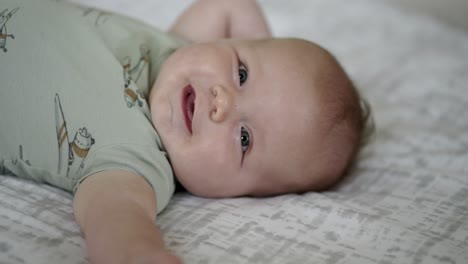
221 104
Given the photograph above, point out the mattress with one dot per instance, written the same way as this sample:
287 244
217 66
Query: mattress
404 201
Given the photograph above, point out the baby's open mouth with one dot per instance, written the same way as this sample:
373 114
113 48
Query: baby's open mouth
188 106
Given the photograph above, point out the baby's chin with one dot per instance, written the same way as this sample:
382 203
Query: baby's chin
151 97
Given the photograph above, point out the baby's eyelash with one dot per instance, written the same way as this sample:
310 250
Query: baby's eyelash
243 73
245 139
246 142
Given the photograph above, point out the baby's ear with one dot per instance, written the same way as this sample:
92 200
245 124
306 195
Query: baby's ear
367 122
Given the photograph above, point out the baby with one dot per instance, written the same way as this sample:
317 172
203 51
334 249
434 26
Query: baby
237 113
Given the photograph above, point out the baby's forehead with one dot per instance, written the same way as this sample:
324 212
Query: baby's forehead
290 140
292 156
303 83
300 59
297 49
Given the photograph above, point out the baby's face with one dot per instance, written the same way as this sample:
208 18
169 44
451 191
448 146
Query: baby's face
241 117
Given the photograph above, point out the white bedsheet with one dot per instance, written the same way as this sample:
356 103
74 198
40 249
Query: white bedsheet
405 202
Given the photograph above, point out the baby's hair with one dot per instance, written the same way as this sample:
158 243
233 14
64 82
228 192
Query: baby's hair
350 116
361 124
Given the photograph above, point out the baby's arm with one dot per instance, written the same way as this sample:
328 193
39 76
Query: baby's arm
116 211
208 20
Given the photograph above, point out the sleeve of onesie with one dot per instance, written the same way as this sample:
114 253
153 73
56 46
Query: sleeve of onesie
149 162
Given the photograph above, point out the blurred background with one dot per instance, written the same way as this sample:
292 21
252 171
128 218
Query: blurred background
454 12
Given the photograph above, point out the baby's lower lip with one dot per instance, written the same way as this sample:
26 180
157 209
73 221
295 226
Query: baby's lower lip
187 104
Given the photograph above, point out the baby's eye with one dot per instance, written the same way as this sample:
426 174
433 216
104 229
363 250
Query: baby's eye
245 140
243 74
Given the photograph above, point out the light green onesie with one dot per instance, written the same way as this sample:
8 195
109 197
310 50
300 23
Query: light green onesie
73 83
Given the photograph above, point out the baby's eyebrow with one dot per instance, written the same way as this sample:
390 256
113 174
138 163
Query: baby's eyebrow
236 64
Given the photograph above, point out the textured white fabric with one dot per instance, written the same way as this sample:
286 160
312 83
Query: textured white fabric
406 201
